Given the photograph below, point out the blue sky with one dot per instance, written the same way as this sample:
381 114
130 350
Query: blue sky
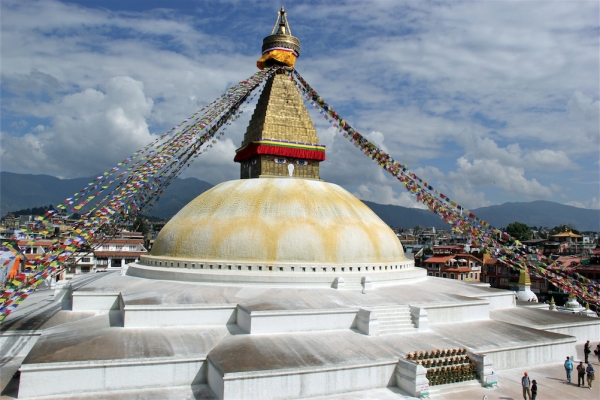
490 102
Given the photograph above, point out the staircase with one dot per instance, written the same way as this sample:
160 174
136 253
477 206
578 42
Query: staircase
394 319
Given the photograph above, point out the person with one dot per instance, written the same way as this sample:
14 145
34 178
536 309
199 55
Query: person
525 382
590 374
580 374
569 368
597 351
533 389
586 351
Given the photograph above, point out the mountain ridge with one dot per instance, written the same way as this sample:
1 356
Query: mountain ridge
21 191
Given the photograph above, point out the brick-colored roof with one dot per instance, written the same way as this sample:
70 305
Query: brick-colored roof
439 259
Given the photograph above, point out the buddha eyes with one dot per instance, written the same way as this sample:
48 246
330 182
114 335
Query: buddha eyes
302 163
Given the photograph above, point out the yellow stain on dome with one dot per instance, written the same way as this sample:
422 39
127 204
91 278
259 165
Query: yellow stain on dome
274 220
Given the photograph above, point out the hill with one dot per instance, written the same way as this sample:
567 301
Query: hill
20 191
540 213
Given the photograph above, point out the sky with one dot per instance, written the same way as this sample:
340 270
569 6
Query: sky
489 101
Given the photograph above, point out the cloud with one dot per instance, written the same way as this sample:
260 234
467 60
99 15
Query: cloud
97 127
585 113
510 179
593 203
384 194
461 92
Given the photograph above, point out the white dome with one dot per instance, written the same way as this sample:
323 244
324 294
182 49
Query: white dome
278 220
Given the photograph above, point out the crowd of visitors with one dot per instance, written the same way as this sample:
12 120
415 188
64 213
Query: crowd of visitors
585 370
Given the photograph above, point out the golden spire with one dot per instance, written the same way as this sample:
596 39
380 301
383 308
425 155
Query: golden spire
524 279
281 140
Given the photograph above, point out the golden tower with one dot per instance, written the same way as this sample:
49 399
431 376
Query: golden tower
281 139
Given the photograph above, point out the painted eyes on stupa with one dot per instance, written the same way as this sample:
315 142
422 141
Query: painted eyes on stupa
301 163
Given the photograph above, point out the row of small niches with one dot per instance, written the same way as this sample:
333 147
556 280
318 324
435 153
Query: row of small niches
270 268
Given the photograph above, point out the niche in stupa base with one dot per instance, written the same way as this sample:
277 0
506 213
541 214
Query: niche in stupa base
268 165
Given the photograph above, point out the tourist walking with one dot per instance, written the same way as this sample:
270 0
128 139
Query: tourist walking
569 368
586 351
590 374
526 383
581 374
533 389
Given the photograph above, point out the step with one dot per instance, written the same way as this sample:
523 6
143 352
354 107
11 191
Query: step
453 387
395 318
395 325
383 332
391 313
395 309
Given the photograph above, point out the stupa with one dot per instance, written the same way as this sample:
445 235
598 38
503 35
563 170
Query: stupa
276 286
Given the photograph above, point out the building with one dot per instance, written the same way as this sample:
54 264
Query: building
278 285
461 266
120 251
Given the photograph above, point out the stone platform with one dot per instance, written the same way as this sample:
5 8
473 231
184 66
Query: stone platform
125 334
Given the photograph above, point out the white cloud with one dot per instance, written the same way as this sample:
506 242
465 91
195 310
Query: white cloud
507 178
384 194
593 203
462 92
89 130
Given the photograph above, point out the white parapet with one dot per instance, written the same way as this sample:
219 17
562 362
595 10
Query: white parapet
147 316
109 375
465 311
18 343
367 322
299 382
419 318
96 301
281 321
412 378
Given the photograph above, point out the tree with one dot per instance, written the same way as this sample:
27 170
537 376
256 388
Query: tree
563 228
519 231
140 225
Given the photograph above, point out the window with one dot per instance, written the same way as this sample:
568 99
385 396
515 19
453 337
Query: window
476 275
444 275
437 274
451 276
85 259
85 270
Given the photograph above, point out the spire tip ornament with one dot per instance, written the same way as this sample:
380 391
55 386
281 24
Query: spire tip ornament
280 47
